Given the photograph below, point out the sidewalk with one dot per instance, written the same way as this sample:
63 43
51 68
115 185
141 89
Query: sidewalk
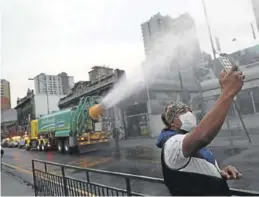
12 186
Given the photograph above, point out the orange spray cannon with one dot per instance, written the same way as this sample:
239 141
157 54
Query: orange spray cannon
96 111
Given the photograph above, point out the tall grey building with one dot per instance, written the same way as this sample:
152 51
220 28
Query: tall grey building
158 26
174 45
255 4
53 84
154 28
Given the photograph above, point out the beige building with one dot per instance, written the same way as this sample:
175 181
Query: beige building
5 95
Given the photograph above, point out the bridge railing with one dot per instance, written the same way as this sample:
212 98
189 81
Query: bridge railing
54 179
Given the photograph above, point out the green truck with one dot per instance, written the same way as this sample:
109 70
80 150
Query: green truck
70 130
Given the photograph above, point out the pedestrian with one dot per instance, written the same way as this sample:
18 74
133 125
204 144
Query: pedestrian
2 151
189 168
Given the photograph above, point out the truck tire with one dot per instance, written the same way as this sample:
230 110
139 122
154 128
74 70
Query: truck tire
39 147
60 146
67 148
43 147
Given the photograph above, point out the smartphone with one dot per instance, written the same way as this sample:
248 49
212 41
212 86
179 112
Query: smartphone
225 62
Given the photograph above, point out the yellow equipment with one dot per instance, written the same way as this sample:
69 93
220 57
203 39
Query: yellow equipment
96 111
32 140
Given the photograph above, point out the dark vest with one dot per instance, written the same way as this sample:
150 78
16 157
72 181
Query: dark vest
182 183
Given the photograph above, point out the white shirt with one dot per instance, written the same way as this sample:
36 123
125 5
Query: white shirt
174 158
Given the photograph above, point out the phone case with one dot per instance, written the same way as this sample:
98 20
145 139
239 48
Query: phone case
226 63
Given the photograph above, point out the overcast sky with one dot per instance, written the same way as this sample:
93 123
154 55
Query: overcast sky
52 36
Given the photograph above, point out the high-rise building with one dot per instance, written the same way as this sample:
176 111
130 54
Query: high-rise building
159 26
53 84
255 4
172 46
5 95
153 29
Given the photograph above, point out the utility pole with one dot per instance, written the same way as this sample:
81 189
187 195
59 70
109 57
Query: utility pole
116 134
47 95
209 29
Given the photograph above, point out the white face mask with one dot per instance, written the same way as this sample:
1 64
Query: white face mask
188 121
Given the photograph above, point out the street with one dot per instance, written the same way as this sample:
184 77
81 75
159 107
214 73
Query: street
141 159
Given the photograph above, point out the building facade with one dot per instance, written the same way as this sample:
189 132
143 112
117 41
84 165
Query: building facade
5 95
247 102
159 29
53 84
248 57
8 122
25 108
99 72
9 115
100 86
35 106
156 27
46 104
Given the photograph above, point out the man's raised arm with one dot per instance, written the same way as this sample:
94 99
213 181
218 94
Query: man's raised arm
212 122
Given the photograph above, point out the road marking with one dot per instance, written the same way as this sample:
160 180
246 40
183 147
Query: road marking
57 174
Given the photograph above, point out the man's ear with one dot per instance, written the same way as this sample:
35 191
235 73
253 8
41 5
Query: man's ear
173 125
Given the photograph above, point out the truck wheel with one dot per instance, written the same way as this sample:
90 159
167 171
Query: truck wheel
43 147
66 146
39 147
60 146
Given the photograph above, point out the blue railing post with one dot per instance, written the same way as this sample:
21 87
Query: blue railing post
34 178
87 176
45 167
128 187
64 180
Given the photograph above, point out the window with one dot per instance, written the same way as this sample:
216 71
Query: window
255 92
244 102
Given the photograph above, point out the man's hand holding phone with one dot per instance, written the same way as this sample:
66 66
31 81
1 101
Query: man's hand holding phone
231 82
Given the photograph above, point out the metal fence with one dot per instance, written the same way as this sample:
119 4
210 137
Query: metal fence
47 183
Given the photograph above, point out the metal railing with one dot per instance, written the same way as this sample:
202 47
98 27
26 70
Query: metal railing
47 183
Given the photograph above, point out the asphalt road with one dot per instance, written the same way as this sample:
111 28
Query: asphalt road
138 157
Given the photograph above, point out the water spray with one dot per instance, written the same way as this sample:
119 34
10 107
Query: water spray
159 64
